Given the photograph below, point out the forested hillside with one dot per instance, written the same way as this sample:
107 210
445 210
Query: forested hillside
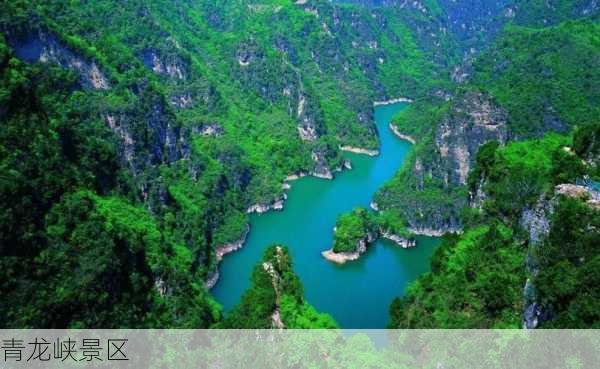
276 298
161 133
530 82
529 252
137 136
528 211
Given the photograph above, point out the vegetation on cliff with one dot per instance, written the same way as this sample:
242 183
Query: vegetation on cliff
276 298
352 229
478 278
185 118
530 81
129 151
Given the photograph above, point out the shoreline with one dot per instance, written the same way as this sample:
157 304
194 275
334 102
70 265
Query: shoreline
430 232
359 150
401 135
340 258
220 252
263 208
276 205
405 243
392 101
343 257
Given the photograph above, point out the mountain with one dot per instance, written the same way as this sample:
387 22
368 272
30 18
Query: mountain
137 136
524 200
189 117
528 254
531 82
276 298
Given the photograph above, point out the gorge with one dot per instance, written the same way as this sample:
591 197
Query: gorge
305 225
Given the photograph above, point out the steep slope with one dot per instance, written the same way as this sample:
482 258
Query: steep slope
276 298
73 257
528 255
531 82
193 115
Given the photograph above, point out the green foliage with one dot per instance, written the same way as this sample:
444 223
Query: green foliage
80 258
520 173
392 222
544 78
416 120
352 228
107 265
477 278
569 265
586 143
475 282
275 288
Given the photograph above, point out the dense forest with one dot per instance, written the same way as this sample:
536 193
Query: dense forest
530 226
528 210
130 151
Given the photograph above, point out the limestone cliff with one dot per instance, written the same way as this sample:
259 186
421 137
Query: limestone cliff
430 193
44 47
536 221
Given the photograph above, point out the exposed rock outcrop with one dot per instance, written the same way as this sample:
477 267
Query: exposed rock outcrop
220 252
392 101
403 242
536 222
42 46
400 135
358 150
321 170
212 129
472 120
590 195
276 281
264 207
168 65
343 257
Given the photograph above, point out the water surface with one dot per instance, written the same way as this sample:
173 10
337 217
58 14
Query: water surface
357 294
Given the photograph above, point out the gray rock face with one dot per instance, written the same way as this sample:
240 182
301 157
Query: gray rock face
44 47
168 65
162 142
534 315
211 129
321 170
472 121
403 242
536 221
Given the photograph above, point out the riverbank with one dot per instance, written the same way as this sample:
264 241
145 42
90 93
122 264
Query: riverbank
341 257
399 134
359 150
304 226
223 250
279 203
392 101
430 232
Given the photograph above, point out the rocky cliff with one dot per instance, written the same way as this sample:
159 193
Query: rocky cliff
42 46
537 222
430 193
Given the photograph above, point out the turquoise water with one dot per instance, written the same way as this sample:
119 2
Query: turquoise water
357 294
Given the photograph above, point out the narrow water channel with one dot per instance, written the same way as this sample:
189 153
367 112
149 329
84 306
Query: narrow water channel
357 294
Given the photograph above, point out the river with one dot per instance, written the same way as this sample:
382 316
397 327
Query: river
357 294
